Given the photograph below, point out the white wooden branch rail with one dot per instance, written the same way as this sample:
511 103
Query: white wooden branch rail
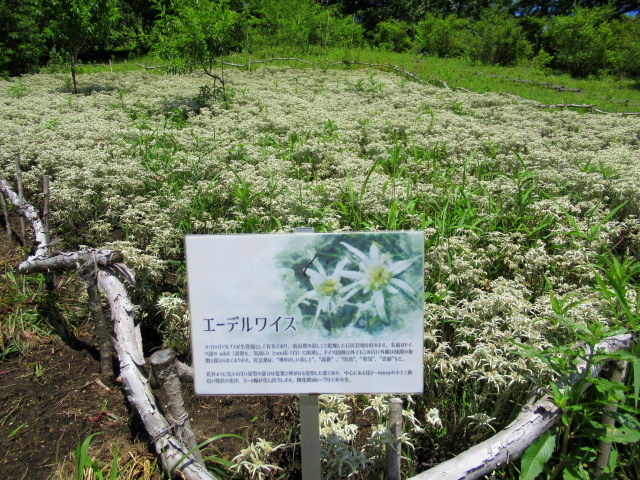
127 339
510 443
507 445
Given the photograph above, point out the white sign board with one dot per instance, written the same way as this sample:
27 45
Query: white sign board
306 313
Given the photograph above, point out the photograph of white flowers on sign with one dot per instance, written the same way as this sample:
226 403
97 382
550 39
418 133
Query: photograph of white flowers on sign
530 215
369 282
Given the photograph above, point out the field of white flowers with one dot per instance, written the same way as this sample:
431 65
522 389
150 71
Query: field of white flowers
519 205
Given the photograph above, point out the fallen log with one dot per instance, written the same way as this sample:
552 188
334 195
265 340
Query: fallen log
89 258
128 345
127 342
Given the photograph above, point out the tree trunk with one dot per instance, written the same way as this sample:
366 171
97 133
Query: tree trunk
74 62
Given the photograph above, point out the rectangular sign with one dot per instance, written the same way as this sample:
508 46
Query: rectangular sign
306 313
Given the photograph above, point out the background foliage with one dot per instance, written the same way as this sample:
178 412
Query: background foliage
581 38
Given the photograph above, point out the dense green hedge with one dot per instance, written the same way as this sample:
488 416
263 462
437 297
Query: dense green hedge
581 41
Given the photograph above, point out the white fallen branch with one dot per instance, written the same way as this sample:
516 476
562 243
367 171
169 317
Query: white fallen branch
128 340
509 444
31 215
89 258
128 344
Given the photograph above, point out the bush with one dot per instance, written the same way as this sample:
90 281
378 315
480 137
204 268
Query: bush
22 42
444 37
195 35
393 35
300 24
626 47
580 43
499 39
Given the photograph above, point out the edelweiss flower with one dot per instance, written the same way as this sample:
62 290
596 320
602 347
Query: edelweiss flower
326 288
377 274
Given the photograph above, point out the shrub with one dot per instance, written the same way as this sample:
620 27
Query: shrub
21 39
499 39
580 42
196 34
393 35
76 25
626 49
444 37
300 24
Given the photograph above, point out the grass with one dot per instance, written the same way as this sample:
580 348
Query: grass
605 92
23 322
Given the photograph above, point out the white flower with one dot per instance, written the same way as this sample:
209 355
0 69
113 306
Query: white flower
326 288
377 274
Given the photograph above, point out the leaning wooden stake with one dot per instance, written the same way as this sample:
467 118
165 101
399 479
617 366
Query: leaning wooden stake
5 212
128 344
604 447
394 450
163 365
128 341
103 332
50 277
23 230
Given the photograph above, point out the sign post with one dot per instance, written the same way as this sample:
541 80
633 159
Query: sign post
309 424
306 314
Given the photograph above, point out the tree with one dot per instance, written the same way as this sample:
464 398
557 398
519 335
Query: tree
443 36
581 43
195 33
498 39
74 25
21 39
626 51
548 8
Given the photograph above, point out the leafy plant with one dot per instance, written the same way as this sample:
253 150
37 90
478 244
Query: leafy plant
20 297
499 39
584 409
393 35
580 42
442 36
84 462
193 35
75 25
19 90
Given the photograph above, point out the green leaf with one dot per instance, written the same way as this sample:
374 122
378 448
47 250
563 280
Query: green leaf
621 435
537 455
202 445
82 457
636 383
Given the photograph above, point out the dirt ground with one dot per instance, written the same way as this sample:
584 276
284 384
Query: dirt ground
51 399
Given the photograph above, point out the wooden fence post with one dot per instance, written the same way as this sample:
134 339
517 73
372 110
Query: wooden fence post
163 365
23 229
103 330
394 450
5 212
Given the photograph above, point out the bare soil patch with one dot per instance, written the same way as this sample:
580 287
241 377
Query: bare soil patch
51 399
